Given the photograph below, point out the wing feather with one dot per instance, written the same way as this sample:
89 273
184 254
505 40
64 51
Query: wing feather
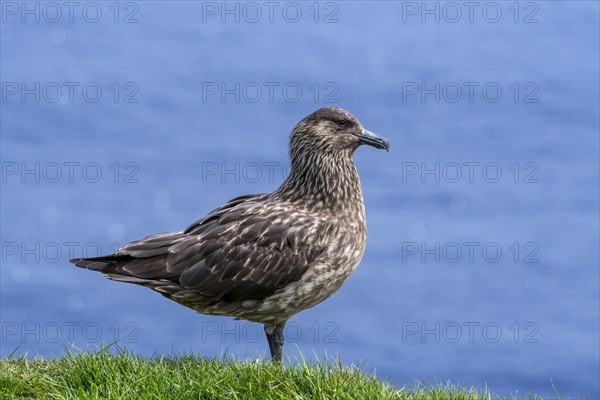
244 250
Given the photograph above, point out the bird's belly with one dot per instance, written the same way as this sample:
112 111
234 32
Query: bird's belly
320 282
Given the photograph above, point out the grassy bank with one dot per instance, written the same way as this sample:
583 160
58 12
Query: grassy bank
126 376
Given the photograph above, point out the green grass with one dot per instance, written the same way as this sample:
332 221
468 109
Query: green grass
126 376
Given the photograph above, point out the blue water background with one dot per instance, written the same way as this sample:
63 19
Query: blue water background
405 316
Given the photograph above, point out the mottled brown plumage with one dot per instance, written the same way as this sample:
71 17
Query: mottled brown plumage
265 257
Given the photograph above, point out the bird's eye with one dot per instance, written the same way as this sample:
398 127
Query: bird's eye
341 122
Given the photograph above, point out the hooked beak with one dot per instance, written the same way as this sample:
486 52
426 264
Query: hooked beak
368 137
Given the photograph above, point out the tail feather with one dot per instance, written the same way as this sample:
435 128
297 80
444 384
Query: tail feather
124 268
104 264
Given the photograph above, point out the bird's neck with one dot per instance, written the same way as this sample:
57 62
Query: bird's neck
327 181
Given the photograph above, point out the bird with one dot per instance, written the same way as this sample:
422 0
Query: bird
265 257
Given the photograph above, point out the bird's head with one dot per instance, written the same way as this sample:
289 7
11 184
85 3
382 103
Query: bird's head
333 130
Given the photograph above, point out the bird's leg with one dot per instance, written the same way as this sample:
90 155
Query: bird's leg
275 338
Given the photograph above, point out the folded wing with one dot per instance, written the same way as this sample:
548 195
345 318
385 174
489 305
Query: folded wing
244 250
